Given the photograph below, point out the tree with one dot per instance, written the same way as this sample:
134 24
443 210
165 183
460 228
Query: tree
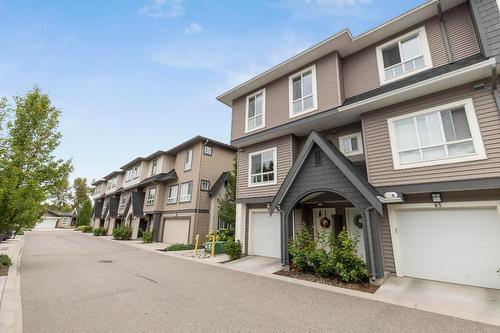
62 197
227 204
29 171
84 215
81 192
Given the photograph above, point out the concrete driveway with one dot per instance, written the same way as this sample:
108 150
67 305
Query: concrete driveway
75 283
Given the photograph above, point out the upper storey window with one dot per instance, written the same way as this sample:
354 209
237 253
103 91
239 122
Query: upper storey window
262 168
188 162
303 94
154 167
403 57
444 134
256 111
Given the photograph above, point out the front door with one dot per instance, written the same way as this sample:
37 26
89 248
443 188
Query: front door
355 229
324 219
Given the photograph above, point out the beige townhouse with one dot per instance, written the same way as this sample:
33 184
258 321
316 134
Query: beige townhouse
173 193
392 134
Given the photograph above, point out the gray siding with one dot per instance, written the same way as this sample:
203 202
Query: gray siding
487 19
379 156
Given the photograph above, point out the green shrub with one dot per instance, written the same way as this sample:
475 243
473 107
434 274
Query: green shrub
348 265
300 248
5 260
179 247
85 228
100 231
122 233
328 255
233 248
147 237
220 235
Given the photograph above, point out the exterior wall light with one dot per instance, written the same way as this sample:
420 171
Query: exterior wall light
436 197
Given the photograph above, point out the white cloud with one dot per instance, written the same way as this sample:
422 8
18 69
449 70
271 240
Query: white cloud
193 28
315 8
163 9
234 64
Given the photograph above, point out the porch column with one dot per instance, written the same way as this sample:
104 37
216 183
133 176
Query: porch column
286 235
135 227
155 228
111 226
239 228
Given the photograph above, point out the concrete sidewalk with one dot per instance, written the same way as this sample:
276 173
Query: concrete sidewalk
11 319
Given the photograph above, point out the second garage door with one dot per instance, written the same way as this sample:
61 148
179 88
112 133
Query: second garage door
458 245
176 231
265 234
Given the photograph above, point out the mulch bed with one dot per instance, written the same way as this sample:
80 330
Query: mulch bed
361 286
4 270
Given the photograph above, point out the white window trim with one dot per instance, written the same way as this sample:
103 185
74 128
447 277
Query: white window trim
314 89
204 181
263 92
176 195
190 194
151 202
154 168
474 129
275 164
424 43
188 165
205 151
350 136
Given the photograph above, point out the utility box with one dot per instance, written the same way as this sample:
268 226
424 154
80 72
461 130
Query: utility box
218 245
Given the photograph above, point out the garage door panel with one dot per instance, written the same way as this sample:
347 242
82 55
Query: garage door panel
265 234
176 231
459 245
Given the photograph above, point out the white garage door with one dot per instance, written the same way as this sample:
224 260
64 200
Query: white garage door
458 245
47 223
265 234
176 231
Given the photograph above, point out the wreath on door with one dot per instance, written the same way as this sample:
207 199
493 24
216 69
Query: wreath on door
325 222
357 221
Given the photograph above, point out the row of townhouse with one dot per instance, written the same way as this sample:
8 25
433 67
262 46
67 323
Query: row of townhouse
174 193
393 134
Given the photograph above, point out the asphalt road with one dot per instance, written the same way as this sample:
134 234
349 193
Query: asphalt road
67 288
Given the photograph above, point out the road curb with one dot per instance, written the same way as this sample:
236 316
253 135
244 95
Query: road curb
11 315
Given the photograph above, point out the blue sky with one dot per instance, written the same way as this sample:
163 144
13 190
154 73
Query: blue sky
135 76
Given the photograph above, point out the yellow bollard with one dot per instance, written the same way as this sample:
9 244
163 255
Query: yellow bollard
196 245
213 245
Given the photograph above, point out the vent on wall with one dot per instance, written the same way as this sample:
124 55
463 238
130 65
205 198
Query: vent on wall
318 157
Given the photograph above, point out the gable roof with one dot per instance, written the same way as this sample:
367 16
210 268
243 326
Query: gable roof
196 139
344 43
112 174
161 177
219 183
339 160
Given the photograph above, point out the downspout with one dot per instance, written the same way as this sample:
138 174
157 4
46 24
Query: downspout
445 33
494 80
370 240
198 184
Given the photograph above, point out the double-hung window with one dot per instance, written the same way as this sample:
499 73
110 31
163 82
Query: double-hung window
188 163
440 135
150 200
123 200
405 56
255 111
207 150
154 167
262 168
172 194
186 190
128 177
351 144
137 171
303 94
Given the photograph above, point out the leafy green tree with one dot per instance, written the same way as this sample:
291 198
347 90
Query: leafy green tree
62 197
227 204
84 215
29 171
81 192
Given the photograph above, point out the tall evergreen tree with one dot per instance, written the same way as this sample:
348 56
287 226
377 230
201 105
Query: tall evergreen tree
85 213
29 171
81 192
227 204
